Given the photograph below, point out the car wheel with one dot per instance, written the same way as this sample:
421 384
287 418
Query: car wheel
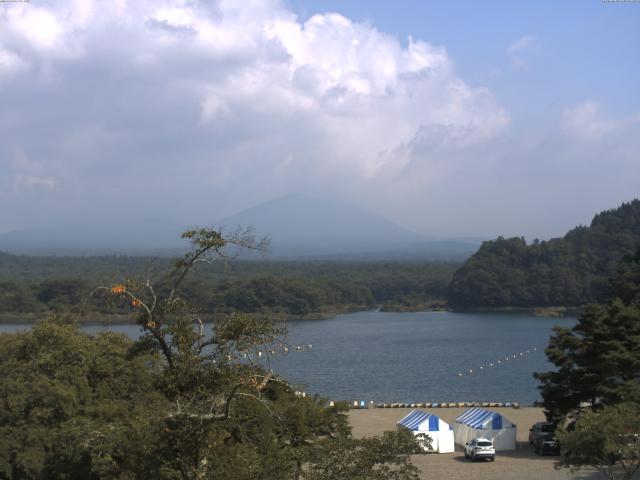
493 459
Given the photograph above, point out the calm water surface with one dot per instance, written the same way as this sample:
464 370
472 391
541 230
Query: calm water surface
413 357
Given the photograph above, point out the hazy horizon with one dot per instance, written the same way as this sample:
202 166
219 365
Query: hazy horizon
450 120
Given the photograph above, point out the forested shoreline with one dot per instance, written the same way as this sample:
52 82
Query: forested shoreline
34 286
547 277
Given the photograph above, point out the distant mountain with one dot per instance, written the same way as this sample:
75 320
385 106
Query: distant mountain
301 226
568 271
319 225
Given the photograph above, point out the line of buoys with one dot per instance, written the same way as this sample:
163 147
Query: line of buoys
485 366
283 350
361 404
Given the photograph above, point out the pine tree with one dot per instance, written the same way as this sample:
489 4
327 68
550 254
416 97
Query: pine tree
598 360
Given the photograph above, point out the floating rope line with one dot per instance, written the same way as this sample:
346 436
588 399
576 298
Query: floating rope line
486 366
253 353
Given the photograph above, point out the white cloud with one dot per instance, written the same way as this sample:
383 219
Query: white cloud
522 44
519 49
358 89
187 106
584 122
38 26
33 181
354 92
28 173
11 63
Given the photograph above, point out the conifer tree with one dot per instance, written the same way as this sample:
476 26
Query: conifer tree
598 360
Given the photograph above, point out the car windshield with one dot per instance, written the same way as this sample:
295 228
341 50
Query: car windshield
547 428
484 444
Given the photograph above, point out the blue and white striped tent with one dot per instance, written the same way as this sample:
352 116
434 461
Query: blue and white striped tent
438 430
481 423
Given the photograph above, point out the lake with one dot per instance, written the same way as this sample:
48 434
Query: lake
413 357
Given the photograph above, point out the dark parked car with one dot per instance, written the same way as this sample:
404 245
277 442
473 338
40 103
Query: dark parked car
546 444
540 429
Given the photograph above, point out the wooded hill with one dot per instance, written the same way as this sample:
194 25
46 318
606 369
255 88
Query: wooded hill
36 286
568 271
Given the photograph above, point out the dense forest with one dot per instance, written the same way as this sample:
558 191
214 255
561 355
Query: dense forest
32 286
568 271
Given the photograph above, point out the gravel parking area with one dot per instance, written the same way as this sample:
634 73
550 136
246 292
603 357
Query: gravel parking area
521 464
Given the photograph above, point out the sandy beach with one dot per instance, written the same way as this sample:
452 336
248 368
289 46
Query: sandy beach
521 464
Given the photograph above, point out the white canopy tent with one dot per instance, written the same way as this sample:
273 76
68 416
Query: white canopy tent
481 423
439 431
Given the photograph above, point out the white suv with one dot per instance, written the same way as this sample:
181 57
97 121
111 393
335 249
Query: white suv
480 448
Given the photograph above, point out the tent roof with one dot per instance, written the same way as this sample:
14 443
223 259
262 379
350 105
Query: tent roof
417 417
478 417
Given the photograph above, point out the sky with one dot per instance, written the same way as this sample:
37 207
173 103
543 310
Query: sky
466 118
